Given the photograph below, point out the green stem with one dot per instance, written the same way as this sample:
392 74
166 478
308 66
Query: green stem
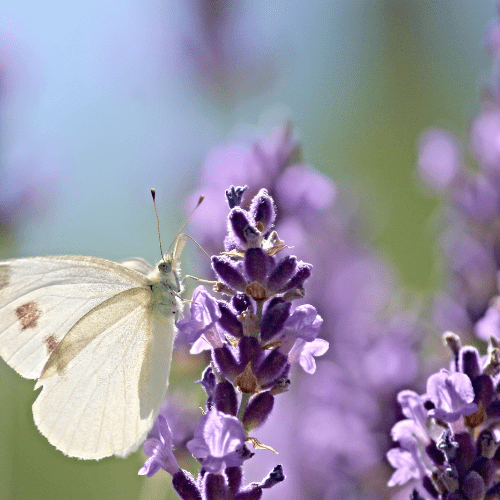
245 397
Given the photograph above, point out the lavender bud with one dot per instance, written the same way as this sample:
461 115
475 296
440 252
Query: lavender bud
473 486
250 352
485 468
303 272
493 410
469 362
274 318
228 273
434 453
225 362
234 195
273 368
466 451
274 477
257 411
185 486
282 272
234 477
262 210
450 478
429 487
483 390
214 486
229 322
241 226
256 264
225 398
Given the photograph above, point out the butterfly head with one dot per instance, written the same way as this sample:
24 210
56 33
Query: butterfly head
165 265
168 272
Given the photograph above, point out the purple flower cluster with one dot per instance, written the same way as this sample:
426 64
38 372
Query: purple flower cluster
470 240
348 406
448 442
254 337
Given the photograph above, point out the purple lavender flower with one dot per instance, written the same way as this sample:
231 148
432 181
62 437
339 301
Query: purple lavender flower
254 336
452 449
305 352
452 395
158 447
304 323
218 441
204 313
408 465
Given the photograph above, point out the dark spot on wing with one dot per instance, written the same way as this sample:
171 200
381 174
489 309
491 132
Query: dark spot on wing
28 315
51 343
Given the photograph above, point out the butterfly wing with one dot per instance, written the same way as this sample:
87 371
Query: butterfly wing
103 390
41 298
138 264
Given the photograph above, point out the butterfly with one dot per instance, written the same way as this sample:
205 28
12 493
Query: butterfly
98 337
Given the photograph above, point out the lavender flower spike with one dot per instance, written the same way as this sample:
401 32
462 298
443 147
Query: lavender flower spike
456 458
253 336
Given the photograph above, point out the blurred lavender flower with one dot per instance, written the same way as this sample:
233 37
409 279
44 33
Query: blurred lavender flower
252 336
448 445
226 64
372 351
470 240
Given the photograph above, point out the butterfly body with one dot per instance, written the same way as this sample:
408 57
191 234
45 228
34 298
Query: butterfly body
98 336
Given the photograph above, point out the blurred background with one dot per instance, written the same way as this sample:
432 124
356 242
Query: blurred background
99 102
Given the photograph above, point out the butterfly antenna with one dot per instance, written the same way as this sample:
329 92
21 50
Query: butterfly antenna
179 233
184 235
153 194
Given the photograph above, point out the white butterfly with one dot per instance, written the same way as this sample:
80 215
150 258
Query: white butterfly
98 336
